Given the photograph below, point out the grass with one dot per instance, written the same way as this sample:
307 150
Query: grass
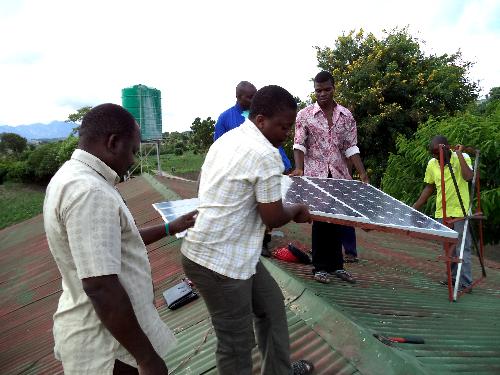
19 202
188 162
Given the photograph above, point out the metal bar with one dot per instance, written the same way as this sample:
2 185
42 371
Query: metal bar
443 192
478 210
158 157
380 228
447 250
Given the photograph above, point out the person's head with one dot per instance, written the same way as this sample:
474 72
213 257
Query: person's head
244 94
273 111
110 133
324 87
434 145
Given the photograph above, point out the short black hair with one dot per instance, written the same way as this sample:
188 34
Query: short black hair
438 140
243 85
270 100
323 77
106 119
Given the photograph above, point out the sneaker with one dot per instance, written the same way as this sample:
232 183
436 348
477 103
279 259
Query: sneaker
322 277
302 367
344 275
348 258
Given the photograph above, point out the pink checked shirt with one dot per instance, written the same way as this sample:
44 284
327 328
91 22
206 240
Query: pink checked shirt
326 148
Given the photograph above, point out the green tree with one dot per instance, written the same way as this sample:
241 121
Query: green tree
202 134
391 86
12 143
43 162
78 116
494 93
404 176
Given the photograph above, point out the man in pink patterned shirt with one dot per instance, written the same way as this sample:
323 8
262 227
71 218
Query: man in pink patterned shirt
325 138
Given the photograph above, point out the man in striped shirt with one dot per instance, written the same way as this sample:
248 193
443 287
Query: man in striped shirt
240 193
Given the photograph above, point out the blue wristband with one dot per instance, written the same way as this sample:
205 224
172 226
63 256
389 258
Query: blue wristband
167 231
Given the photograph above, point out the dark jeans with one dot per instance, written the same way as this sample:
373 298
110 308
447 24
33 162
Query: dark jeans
327 247
236 307
348 239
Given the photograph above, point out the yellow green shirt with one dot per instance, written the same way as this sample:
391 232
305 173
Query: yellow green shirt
433 177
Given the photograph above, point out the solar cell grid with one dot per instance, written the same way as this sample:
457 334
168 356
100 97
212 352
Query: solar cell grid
301 191
382 209
355 202
347 202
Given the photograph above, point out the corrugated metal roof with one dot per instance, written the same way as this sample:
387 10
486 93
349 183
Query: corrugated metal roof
397 294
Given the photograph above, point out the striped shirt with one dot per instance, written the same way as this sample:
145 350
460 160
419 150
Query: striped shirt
241 169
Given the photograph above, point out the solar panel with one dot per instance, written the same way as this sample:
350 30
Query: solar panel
171 210
347 202
352 202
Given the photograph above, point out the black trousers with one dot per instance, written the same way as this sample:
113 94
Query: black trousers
327 247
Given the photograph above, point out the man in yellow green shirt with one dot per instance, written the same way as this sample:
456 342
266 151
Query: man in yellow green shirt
461 165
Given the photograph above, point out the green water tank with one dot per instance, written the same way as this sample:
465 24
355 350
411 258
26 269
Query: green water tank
144 103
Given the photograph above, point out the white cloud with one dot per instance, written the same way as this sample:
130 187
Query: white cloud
57 55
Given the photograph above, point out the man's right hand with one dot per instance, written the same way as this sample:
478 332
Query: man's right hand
303 215
182 222
154 366
296 172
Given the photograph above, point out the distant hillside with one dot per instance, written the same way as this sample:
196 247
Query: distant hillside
56 129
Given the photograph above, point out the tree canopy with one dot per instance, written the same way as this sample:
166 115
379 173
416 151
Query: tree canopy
12 143
391 86
78 116
202 133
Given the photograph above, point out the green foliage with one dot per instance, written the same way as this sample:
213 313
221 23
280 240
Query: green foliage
494 93
42 162
391 87
17 170
11 143
19 202
404 175
202 134
175 142
66 149
78 116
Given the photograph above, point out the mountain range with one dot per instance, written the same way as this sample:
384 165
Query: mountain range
53 130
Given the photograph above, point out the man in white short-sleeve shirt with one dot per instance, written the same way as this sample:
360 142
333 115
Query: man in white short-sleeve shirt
106 321
240 193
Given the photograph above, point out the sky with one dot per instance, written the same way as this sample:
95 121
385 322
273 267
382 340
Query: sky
59 55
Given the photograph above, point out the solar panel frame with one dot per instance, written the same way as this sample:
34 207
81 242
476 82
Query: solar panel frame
329 203
425 227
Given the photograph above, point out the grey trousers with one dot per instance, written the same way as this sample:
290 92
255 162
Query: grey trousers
466 272
236 306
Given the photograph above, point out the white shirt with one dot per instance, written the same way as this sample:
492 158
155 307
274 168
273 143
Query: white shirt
242 168
91 232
